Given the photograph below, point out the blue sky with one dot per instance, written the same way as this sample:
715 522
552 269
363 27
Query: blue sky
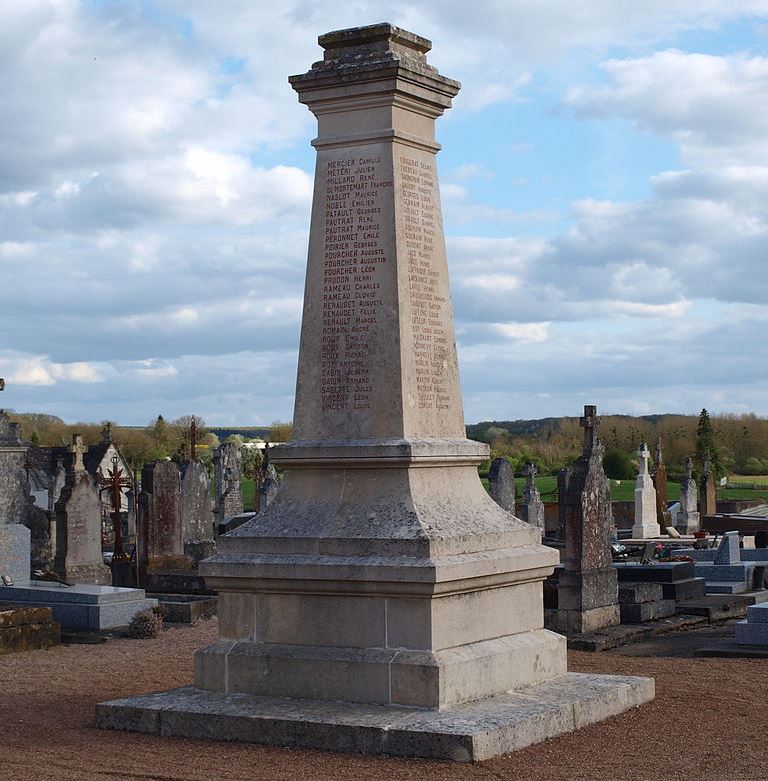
604 180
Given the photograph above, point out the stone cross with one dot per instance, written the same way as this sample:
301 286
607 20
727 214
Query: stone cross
706 469
590 423
688 468
78 449
659 455
530 472
644 454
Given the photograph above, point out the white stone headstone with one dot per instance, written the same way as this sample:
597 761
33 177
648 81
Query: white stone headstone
645 524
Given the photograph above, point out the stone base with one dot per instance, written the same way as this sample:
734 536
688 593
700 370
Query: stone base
163 563
185 608
647 611
651 531
89 574
27 629
580 622
197 551
81 606
467 733
177 582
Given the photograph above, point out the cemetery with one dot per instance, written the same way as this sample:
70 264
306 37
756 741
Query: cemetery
382 591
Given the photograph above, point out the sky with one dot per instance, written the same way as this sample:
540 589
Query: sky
604 181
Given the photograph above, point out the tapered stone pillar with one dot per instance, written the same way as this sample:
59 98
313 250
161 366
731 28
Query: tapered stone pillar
383 591
382 571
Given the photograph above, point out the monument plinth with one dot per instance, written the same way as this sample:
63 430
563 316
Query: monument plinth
382 582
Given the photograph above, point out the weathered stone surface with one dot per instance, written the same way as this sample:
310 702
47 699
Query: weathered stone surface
27 629
728 552
196 511
501 484
160 540
531 507
688 518
708 491
646 524
468 733
587 587
647 611
227 462
382 574
563 478
14 552
637 593
78 532
663 518
14 486
268 487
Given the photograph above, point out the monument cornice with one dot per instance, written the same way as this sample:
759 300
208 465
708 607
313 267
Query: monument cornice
365 453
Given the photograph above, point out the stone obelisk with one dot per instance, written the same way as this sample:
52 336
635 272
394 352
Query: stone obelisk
382 588
381 514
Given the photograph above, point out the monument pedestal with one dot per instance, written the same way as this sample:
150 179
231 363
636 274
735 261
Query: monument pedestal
383 602
466 733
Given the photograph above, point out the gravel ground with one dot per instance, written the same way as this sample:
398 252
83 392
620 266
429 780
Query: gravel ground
709 722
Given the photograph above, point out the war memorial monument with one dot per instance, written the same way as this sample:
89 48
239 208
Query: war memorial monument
383 603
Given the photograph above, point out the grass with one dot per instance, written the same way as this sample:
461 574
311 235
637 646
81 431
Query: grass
248 487
621 490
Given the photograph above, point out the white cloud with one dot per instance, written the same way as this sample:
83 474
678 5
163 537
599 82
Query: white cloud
707 104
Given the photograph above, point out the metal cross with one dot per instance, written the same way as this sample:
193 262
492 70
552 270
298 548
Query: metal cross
114 483
530 472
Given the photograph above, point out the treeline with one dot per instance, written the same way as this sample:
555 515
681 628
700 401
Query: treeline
740 442
159 439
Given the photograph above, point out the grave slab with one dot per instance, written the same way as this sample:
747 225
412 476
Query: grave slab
81 606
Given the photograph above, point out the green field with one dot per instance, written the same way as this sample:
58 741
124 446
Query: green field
621 490
624 490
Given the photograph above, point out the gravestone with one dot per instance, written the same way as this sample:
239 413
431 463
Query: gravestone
587 588
531 506
160 540
501 483
728 551
645 499
227 462
663 518
14 485
78 525
688 518
268 486
383 588
196 511
708 491
15 502
14 552
563 478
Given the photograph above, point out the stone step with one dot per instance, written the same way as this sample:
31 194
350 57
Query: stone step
727 587
723 572
647 611
690 588
748 633
758 614
24 628
637 593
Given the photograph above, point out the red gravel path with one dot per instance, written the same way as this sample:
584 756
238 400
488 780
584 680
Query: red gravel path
709 722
